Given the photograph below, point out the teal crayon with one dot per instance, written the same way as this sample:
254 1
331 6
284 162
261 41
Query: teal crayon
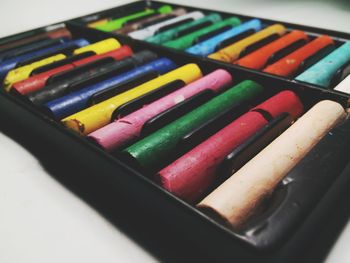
152 150
323 71
188 40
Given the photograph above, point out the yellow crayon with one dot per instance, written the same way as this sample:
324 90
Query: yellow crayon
98 22
100 47
24 72
232 52
99 115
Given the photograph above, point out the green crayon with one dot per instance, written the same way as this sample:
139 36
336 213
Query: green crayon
187 40
119 22
174 32
155 148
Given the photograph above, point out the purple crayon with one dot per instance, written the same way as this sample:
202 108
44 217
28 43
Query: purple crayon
128 128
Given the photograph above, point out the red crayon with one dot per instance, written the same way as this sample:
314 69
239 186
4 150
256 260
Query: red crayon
285 101
259 58
57 33
38 81
289 65
190 176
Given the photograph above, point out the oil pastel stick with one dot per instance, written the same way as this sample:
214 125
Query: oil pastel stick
38 81
234 51
99 115
262 56
149 21
344 86
125 130
92 73
12 39
190 176
112 21
11 63
62 33
79 100
22 73
289 65
323 71
119 22
151 30
209 46
31 47
186 41
303 187
99 47
236 200
150 151
182 29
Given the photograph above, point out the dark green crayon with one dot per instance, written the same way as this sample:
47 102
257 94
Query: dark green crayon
188 40
157 147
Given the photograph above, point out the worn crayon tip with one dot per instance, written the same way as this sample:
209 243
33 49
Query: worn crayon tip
221 56
75 125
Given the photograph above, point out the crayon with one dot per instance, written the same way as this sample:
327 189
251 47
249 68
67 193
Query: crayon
99 47
151 30
62 33
98 22
99 115
237 199
119 22
153 149
288 66
260 58
188 40
322 72
190 176
88 76
234 51
22 73
172 33
148 21
209 46
303 187
79 100
31 47
38 81
125 130
11 63
344 86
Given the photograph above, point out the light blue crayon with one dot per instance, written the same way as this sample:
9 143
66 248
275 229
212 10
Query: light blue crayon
208 46
323 71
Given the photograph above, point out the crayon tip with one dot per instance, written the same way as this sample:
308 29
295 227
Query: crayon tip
75 125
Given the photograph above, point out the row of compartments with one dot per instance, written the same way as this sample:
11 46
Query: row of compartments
271 47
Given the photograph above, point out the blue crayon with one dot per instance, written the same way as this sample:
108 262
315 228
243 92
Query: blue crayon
31 47
79 100
9 64
323 71
208 46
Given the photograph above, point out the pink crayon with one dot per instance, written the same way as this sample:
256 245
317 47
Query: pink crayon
128 128
191 175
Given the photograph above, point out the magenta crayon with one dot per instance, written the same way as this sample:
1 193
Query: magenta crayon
191 175
127 129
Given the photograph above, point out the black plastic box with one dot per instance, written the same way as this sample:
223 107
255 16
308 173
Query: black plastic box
172 229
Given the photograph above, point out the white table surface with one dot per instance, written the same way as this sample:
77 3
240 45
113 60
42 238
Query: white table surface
40 220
